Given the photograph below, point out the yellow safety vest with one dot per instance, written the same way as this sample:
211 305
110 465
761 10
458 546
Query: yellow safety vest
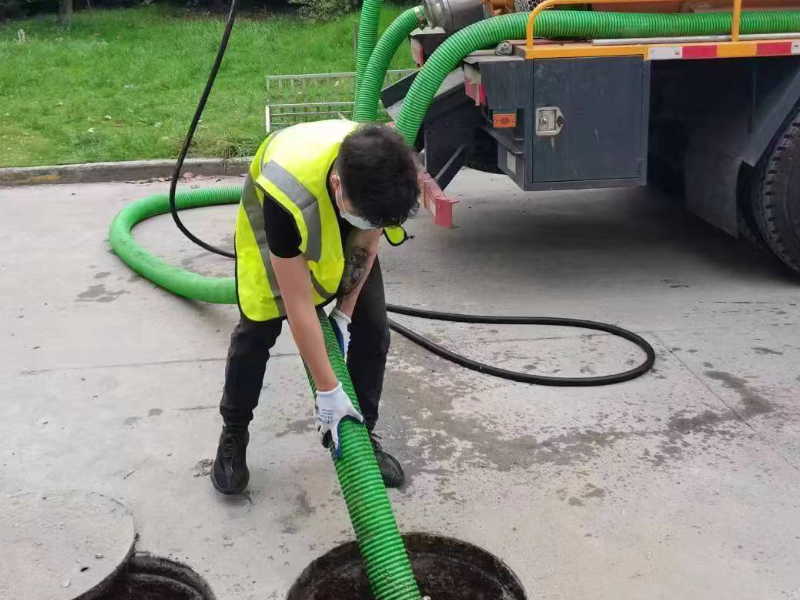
292 166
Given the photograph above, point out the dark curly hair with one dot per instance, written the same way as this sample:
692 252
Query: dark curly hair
378 174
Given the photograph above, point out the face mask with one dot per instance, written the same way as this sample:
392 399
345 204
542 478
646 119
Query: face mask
356 221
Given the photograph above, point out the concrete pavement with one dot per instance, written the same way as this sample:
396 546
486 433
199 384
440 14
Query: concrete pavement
681 484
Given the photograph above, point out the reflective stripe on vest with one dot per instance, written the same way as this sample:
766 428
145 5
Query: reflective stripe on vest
254 209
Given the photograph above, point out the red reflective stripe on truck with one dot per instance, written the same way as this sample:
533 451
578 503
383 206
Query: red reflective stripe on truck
417 52
773 48
476 91
694 52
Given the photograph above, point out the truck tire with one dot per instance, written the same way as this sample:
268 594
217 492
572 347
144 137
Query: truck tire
776 198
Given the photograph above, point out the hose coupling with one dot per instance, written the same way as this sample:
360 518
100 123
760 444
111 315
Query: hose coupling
452 15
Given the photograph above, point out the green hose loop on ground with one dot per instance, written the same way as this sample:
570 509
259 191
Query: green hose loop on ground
371 80
571 24
382 548
173 279
367 34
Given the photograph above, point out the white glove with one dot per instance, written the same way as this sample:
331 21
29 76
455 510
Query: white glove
331 407
341 327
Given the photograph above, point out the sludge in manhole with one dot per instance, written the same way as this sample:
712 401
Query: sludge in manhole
446 569
148 577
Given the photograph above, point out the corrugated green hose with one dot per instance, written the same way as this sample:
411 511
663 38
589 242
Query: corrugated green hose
382 549
367 34
371 80
610 25
570 24
178 281
385 558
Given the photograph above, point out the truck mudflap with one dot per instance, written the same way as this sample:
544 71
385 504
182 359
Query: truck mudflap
443 142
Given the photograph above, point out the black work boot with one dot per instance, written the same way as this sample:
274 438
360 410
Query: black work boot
230 474
392 472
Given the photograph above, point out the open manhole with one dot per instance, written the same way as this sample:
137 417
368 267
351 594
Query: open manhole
446 569
147 577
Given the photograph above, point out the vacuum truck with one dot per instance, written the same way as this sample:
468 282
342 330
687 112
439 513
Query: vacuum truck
698 97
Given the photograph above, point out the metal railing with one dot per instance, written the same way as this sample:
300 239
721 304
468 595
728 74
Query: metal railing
736 21
293 99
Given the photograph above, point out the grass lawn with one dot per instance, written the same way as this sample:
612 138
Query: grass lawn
123 84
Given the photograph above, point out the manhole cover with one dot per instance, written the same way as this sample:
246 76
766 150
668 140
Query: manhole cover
446 569
63 544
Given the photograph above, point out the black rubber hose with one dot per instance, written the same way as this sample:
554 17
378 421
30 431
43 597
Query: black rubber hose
201 105
643 344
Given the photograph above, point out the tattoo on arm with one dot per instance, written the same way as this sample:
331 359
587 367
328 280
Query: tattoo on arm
355 269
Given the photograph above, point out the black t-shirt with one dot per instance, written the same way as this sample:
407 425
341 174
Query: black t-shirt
282 235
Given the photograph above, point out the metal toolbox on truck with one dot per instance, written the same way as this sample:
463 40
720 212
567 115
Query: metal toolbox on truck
566 123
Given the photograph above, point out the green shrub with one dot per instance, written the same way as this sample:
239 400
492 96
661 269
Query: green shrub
325 10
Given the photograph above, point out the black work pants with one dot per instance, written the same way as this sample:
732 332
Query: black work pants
252 341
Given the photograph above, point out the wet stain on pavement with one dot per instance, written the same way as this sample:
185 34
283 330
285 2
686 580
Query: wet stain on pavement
303 507
296 427
189 261
302 510
99 293
767 351
201 407
675 284
592 491
587 493
445 437
704 422
754 403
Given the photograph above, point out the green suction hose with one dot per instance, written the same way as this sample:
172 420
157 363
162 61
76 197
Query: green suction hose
382 549
367 34
371 80
610 25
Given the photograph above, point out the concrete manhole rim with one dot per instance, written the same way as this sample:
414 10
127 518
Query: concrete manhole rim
145 569
421 546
